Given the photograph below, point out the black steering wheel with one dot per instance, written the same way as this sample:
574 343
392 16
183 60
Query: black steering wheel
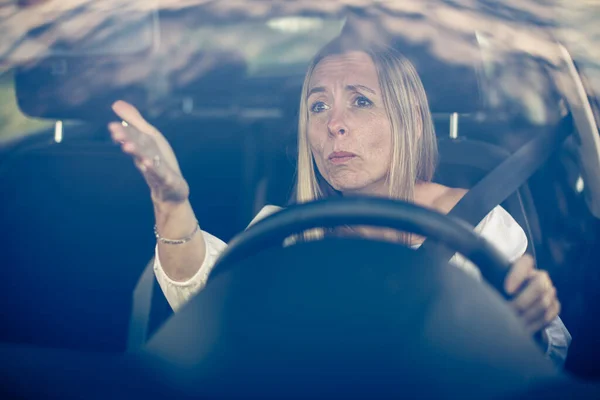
365 310
380 212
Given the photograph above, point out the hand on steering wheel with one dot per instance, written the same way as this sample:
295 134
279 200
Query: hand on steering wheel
534 294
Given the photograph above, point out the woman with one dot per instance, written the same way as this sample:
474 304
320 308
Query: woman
364 129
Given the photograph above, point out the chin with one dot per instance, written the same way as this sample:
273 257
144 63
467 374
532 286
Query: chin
351 182
358 187
349 187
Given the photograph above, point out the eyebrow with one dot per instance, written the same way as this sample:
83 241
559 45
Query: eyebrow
316 89
355 88
352 88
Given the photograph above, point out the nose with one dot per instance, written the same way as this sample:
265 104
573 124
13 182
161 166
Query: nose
337 124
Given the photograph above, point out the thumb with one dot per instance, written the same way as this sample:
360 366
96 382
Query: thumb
131 115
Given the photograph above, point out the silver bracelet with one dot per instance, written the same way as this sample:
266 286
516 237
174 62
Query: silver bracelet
175 241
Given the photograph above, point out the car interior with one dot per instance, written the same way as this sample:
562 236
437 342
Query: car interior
77 220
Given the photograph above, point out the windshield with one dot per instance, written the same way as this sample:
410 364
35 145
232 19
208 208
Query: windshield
173 58
131 128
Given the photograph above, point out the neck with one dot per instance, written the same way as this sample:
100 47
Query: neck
422 196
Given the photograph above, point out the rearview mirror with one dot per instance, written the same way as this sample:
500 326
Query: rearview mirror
36 29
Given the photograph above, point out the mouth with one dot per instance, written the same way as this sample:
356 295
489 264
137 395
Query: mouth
340 157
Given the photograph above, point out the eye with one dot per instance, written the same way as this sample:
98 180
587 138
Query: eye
362 102
318 106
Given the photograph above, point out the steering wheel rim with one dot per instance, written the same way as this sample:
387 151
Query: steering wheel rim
380 212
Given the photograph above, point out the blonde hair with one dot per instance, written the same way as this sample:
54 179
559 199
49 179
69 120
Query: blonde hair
414 145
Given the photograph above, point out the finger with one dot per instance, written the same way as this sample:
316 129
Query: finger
120 136
151 173
534 288
518 274
116 133
126 132
539 308
142 140
134 142
140 165
544 321
133 117
129 148
156 171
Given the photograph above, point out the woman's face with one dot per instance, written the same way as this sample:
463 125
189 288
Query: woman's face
348 128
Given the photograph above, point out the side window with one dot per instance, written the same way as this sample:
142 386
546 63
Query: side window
567 241
516 82
14 125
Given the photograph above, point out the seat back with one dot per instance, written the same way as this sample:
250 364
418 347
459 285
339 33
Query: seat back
77 223
72 217
463 163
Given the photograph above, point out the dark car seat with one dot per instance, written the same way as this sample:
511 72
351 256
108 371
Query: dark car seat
76 231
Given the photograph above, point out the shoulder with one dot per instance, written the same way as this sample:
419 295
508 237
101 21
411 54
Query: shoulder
439 197
448 198
264 212
498 226
501 229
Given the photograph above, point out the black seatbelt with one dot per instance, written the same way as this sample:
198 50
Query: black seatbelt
505 179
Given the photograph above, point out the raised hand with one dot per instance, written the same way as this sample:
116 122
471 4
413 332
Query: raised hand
152 154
